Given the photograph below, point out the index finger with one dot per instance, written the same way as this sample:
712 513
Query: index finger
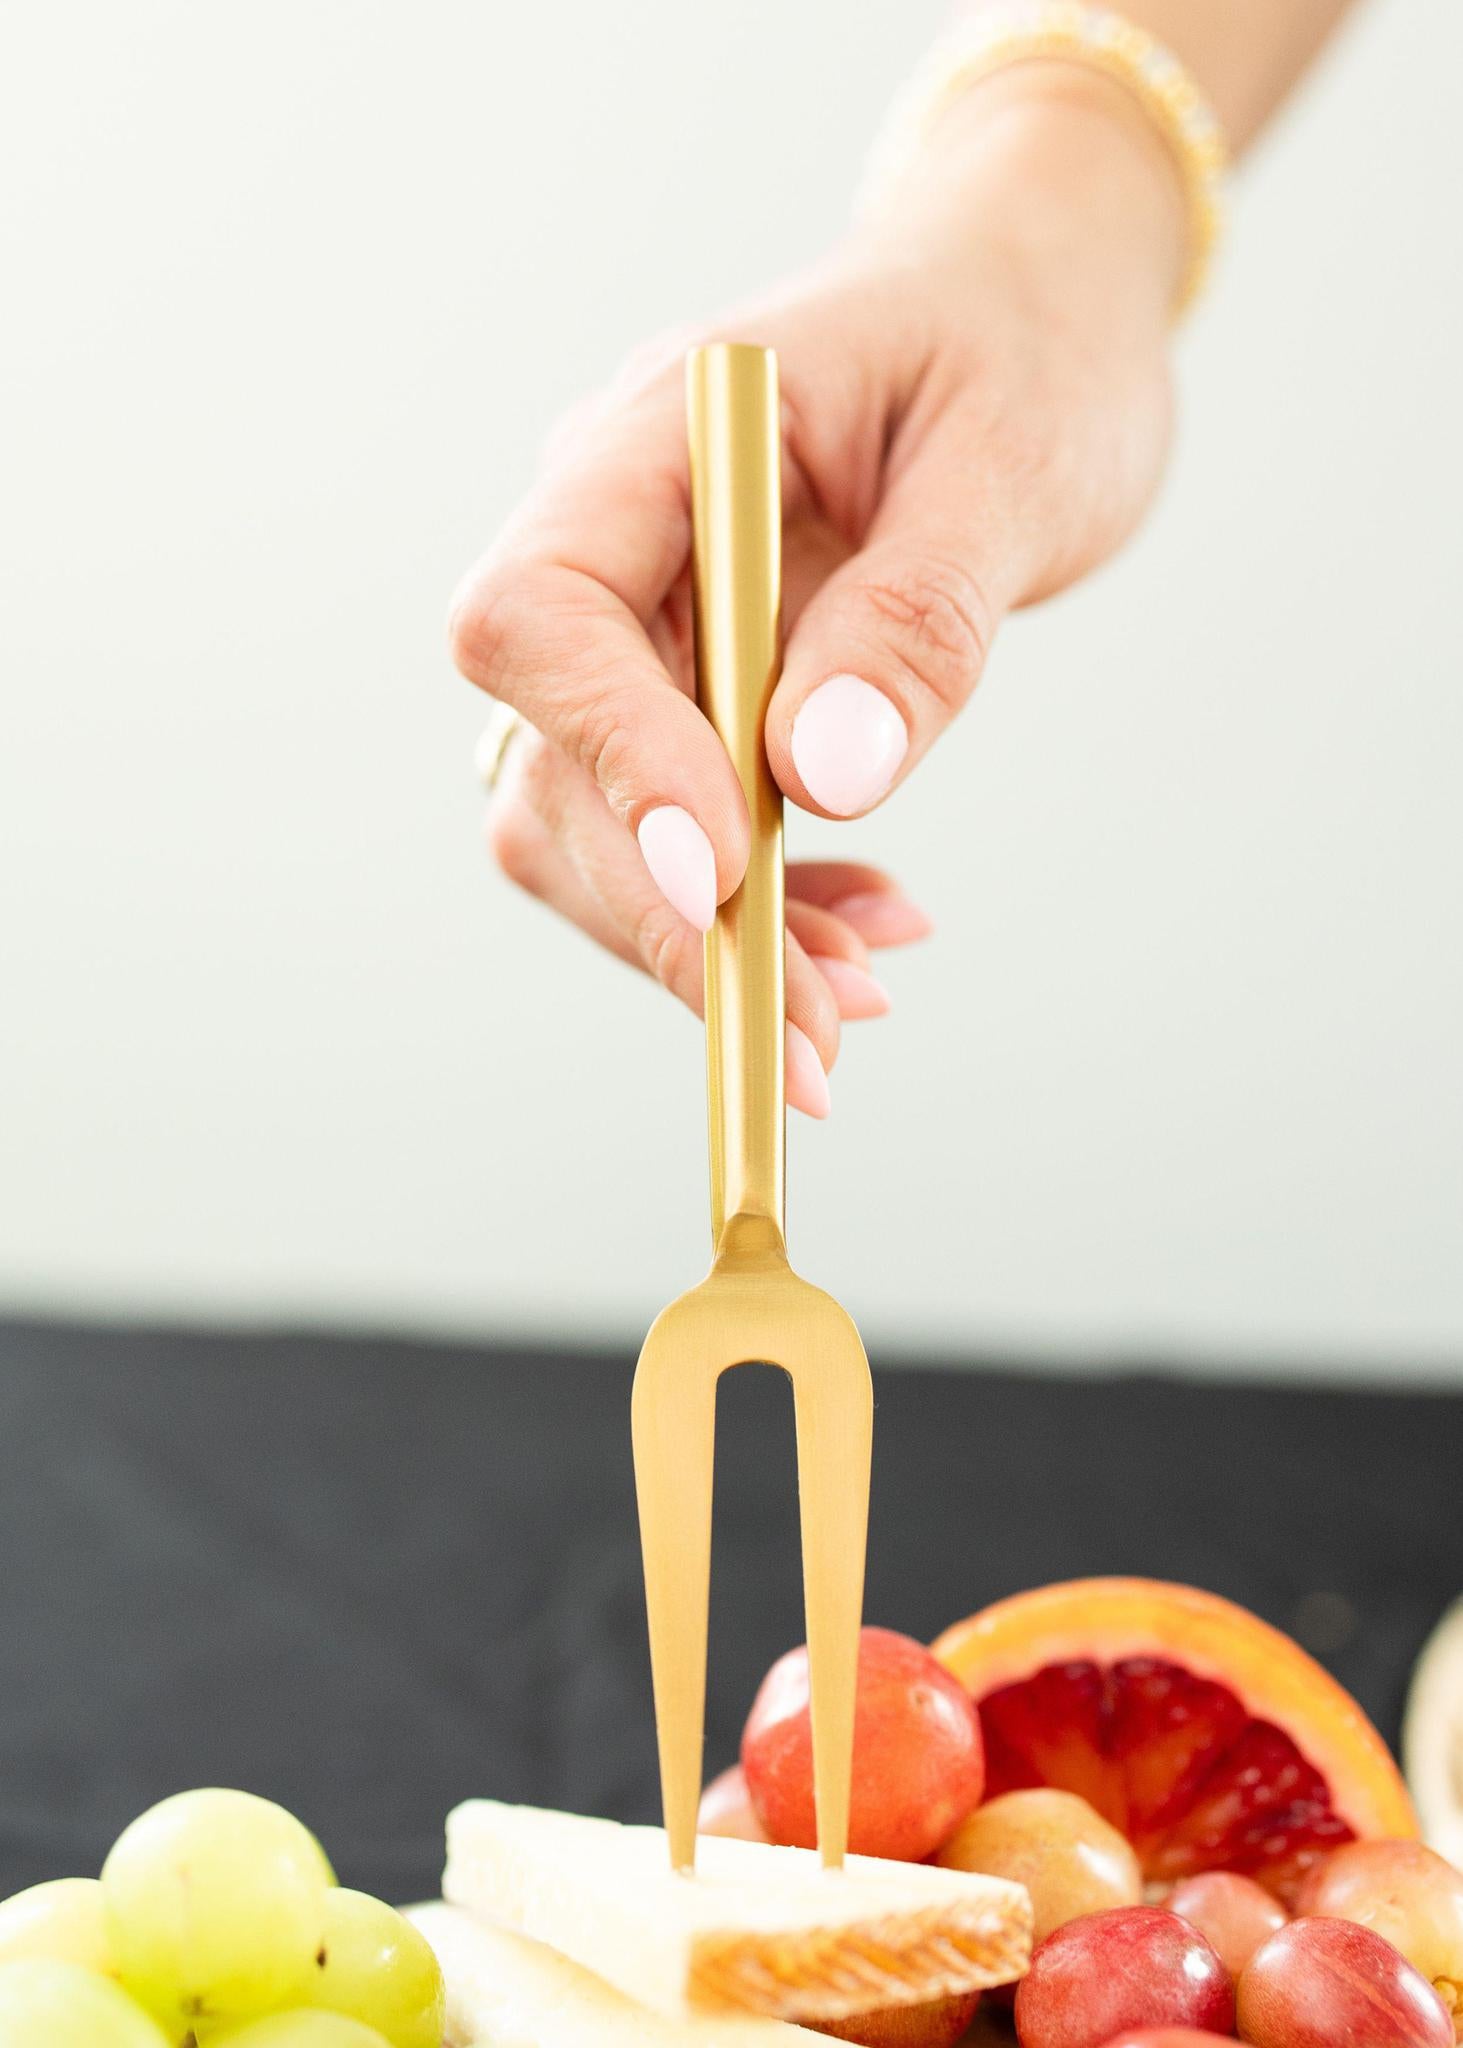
554 620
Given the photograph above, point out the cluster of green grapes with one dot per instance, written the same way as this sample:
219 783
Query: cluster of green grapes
216 1923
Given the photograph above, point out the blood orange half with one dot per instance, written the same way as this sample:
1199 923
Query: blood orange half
1212 1740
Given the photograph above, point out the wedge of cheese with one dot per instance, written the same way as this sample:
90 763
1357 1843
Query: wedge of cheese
756 1930
505 1991
1432 1737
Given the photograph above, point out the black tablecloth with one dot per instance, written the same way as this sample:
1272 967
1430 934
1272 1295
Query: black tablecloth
369 1579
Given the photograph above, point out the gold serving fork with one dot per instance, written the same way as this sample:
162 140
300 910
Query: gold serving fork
752 1307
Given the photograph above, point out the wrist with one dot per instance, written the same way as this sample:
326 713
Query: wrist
1061 167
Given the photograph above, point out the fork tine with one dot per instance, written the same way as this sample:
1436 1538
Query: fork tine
834 1402
673 1430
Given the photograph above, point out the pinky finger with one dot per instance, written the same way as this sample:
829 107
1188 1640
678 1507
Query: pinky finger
864 897
841 957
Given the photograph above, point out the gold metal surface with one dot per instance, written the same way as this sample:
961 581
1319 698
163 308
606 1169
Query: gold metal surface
752 1307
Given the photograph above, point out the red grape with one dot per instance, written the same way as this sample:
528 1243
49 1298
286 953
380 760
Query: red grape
1405 1893
918 1764
1323 1983
1234 1914
1068 1857
1135 1966
726 1809
1165 2037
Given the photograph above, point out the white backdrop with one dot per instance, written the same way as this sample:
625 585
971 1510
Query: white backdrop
291 293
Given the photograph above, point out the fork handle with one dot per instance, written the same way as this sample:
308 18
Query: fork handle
735 439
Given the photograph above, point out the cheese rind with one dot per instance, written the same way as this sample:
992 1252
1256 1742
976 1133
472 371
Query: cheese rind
505 1991
756 1929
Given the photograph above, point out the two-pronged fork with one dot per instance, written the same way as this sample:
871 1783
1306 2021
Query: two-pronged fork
752 1307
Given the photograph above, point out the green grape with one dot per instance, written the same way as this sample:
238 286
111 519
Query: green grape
300 2029
61 1922
378 1968
59 2005
326 1871
216 1902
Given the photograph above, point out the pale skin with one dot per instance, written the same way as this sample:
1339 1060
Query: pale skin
976 413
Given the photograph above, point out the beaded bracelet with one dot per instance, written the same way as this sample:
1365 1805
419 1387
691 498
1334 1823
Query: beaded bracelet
1069 32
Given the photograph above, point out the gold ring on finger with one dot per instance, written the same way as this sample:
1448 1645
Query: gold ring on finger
493 744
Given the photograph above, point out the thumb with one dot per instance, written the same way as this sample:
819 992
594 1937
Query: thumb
889 649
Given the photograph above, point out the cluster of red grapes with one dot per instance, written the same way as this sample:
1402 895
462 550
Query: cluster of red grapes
1221 1957
1372 1959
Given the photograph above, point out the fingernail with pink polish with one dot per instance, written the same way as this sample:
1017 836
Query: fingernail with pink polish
807 1084
847 743
681 863
882 917
855 991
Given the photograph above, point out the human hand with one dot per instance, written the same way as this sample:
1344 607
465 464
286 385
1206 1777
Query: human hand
976 404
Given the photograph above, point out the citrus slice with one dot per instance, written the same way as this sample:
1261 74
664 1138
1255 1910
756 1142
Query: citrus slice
1212 1740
